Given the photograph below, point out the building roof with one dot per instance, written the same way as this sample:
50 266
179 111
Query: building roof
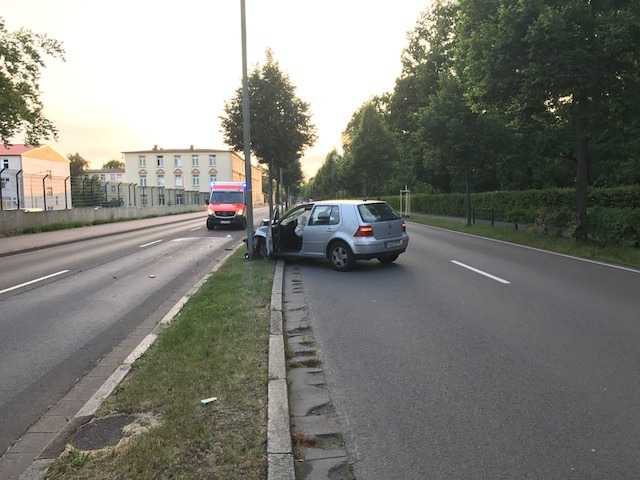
159 150
17 149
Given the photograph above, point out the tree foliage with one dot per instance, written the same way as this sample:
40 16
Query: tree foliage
77 164
22 57
113 164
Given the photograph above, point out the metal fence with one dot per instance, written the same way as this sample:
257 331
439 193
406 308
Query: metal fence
47 192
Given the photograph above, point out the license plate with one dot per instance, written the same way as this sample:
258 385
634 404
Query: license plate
394 244
225 222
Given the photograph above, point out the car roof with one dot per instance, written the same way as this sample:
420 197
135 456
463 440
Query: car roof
348 202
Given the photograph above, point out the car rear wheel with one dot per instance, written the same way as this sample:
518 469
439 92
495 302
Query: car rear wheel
261 247
388 258
341 257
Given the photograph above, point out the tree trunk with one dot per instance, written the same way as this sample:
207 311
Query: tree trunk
582 179
467 197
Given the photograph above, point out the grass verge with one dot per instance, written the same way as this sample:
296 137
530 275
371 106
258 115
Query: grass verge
626 256
216 347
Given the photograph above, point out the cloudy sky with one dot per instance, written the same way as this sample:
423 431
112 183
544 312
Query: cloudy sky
146 72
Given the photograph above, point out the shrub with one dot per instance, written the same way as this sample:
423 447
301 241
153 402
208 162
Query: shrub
614 225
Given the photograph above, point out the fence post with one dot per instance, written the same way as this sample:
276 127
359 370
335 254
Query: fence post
18 187
1 200
493 217
118 190
473 215
44 192
66 200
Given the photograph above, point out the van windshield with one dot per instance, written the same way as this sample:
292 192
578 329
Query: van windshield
377 212
226 197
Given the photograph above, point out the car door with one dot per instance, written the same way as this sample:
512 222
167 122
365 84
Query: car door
322 225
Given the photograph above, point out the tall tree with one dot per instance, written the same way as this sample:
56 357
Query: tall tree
574 59
281 126
77 164
113 164
22 57
373 152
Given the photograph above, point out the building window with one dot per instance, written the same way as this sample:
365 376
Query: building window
161 180
212 160
177 161
5 163
160 160
142 161
143 180
212 179
179 181
195 160
195 180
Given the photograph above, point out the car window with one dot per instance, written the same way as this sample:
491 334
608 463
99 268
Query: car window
377 212
292 215
325 215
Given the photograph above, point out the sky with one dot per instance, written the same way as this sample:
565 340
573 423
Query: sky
140 73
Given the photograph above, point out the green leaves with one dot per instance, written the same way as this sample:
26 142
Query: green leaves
281 126
22 56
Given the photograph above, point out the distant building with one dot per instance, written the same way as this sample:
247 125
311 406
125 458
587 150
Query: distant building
111 175
191 169
34 177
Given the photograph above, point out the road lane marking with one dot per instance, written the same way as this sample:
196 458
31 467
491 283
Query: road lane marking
31 282
196 228
150 243
535 249
184 239
492 277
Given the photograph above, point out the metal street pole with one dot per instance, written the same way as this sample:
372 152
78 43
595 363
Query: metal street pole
1 201
246 134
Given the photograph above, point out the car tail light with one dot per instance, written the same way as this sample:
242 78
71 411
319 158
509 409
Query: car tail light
404 227
364 231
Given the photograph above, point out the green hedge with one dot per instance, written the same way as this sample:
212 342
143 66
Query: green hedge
613 216
521 205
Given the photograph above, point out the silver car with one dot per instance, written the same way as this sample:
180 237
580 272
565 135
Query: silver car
341 231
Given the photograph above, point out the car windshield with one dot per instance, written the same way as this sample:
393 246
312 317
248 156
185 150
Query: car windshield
226 197
377 212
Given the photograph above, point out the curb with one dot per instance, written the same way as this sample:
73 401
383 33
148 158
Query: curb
279 448
87 412
93 237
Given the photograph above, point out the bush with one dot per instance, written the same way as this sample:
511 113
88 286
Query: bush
614 226
555 221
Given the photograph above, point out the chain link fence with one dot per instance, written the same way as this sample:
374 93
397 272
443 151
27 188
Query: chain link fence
38 192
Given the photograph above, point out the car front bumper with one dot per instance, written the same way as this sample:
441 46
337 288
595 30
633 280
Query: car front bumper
235 220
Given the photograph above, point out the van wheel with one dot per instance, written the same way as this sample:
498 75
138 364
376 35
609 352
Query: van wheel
210 225
341 257
388 258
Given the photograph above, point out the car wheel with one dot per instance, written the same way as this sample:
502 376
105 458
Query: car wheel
211 225
341 257
261 248
388 258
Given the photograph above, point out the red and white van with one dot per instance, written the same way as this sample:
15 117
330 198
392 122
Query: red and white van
227 205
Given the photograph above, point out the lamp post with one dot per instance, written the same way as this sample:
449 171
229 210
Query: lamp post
18 187
246 134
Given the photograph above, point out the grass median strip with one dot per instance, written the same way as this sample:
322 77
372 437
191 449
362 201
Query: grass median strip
216 347
625 256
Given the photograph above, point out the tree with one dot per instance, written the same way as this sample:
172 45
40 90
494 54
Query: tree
22 55
113 164
575 60
373 152
77 164
281 127
459 139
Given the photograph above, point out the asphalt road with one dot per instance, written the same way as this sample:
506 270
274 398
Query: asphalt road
93 294
442 372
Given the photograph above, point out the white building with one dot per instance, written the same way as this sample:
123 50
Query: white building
111 175
34 177
191 169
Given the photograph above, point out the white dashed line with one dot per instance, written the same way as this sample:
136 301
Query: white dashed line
15 287
488 275
149 244
196 228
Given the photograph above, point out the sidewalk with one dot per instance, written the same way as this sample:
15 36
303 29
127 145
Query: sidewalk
35 241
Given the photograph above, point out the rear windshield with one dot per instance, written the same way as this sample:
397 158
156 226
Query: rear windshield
377 212
227 197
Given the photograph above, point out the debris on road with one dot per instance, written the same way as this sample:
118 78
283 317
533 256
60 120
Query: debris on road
208 400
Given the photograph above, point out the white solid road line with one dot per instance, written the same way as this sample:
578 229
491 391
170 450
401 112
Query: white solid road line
15 287
196 228
150 243
492 277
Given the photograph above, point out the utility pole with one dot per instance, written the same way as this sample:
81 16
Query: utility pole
246 134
